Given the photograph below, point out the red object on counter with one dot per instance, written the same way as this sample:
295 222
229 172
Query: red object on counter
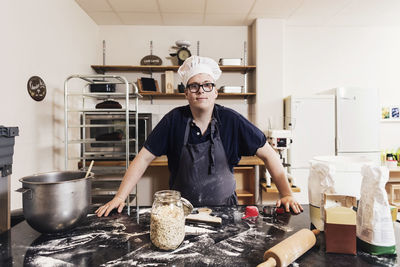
280 210
251 211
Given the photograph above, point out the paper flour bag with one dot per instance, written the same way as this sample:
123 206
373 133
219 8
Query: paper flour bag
375 231
320 181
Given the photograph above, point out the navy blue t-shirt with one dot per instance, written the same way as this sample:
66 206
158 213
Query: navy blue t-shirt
238 135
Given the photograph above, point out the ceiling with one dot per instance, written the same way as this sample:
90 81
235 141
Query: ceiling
243 12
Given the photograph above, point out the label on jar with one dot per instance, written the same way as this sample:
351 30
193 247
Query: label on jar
167 227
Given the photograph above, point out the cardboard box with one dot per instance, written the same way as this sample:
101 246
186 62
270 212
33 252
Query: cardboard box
340 223
393 191
393 211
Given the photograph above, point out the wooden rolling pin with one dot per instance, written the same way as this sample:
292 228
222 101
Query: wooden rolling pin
288 250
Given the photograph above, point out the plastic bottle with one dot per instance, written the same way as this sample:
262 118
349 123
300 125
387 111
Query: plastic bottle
398 156
383 157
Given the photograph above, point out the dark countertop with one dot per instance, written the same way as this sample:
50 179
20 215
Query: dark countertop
118 240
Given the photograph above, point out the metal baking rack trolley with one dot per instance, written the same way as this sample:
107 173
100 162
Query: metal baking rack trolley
80 95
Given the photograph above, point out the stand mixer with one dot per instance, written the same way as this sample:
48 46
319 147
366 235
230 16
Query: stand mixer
280 141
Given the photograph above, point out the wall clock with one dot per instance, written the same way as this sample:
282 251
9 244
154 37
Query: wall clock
36 88
183 52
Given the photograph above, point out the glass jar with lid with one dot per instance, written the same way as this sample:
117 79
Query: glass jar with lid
167 221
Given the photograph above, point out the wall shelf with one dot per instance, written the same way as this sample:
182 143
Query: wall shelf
273 188
390 120
101 69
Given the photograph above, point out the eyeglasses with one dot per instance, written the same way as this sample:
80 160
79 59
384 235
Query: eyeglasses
195 87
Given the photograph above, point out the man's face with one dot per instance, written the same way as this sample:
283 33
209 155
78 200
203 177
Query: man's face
201 99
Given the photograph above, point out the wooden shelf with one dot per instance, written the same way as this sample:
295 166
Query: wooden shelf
273 188
101 69
163 161
243 193
394 174
390 120
121 68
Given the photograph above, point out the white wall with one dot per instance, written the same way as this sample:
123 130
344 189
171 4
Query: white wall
321 58
269 45
51 39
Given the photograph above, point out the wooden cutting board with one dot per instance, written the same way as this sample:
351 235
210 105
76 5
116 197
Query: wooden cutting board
204 216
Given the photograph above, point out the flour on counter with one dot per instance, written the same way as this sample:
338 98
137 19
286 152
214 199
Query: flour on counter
192 230
381 260
248 236
188 249
61 244
129 256
150 255
102 231
280 227
207 226
150 264
143 211
162 255
232 247
186 246
116 224
118 263
229 253
225 216
117 228
50 262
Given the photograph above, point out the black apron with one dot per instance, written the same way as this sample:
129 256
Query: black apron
204 177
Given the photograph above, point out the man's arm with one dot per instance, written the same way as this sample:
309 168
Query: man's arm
135 171
275 168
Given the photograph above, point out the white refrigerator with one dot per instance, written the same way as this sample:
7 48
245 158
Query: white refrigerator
357 122
340 121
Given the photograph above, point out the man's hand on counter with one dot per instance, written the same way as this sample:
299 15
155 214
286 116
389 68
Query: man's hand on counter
116 202
288 202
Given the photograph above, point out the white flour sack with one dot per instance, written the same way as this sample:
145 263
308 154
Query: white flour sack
375 231
320 181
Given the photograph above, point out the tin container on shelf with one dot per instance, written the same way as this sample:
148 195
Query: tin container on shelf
230 61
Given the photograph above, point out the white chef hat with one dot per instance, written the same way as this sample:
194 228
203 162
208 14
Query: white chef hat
195 65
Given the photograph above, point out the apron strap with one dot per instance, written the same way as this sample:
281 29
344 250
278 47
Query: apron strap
212 148
186 138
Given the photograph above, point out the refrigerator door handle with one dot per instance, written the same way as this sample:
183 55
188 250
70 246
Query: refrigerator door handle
348 98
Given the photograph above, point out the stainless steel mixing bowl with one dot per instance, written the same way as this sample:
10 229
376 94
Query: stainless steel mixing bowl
56 201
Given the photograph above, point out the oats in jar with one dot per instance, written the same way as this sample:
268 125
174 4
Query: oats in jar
167 221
